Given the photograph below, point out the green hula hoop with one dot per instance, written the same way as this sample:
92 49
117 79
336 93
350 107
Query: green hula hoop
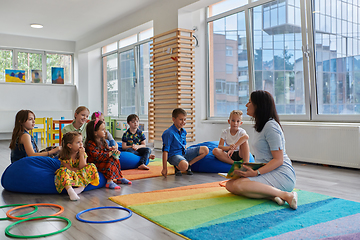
14 205
41 235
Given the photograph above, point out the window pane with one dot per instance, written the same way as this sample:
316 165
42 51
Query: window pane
62 61
128 41
228 65
146 34
224 6
6 59
127 83
144 78
278 61
337 57
109 48
111 89
29 62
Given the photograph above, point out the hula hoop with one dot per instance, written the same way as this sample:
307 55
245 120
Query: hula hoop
41 235
36 204
109 221
23 215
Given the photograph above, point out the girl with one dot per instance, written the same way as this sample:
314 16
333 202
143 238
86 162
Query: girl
103 157
74 171
79 124
22 143
109 138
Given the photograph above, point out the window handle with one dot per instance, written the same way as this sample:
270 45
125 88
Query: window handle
306 51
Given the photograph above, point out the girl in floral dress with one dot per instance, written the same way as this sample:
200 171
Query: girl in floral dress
74 170
105 159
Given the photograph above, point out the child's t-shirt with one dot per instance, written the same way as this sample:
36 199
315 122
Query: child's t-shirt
232 139
131 139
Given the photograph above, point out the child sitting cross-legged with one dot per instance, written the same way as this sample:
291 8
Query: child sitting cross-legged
74 170
99 153
233 144
174 146
133 141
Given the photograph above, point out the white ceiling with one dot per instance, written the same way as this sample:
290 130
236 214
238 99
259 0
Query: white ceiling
63 19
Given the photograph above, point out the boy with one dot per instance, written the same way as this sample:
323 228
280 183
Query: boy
133 141
235 139
174 146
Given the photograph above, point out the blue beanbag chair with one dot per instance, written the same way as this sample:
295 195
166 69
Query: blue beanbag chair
129 160
210 164
36 175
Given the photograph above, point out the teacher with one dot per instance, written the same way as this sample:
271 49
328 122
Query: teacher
276 179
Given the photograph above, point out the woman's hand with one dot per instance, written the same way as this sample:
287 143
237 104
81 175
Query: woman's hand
249 173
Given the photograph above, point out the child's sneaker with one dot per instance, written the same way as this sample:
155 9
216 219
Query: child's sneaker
112 185
124 181
188 171
177 172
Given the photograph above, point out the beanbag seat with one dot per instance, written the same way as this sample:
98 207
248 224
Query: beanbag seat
210 164
36 175
129 160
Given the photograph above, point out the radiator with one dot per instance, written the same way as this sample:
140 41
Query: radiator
325 143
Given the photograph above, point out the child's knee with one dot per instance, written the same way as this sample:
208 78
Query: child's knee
216 151
183 165
204 150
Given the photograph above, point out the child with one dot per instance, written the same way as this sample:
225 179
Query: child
133 141
109 138
103 157
74 171
174 146
79 124
236 146
22 143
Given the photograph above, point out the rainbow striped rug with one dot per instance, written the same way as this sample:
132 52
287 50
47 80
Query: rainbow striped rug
208 211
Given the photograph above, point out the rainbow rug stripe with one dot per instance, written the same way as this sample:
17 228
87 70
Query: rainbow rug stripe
208 211
155 166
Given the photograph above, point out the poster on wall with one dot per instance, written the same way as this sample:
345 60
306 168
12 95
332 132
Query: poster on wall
36 76
14 75
57 75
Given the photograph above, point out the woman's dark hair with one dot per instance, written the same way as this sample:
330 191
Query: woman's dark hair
65 153
91 128
21 117
264 109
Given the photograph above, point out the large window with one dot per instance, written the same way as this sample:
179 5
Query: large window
336 36
305 53
126 76
228 69
32 62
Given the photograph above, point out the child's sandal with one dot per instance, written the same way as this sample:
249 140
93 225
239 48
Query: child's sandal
124 181
112 185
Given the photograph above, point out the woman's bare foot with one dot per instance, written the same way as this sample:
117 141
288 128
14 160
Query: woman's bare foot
143 167
152 156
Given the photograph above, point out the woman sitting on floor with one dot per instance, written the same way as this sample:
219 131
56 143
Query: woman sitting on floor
276 179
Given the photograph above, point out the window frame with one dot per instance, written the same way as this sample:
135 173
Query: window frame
136 49
308 56
14 66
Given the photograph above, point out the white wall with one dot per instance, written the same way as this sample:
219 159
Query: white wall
15 41
44 100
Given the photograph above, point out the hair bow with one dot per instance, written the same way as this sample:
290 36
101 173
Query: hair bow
97 118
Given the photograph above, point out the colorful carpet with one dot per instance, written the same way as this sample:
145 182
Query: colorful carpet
208 211
155 166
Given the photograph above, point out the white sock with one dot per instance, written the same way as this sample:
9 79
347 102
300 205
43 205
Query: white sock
72 194
78 190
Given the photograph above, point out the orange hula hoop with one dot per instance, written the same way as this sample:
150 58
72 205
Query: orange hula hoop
36 204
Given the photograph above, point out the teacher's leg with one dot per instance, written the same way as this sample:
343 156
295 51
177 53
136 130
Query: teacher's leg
252 189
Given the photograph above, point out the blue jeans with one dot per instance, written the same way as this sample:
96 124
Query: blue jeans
143 153
189 155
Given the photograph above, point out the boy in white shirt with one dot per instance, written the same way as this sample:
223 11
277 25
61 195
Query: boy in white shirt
233 144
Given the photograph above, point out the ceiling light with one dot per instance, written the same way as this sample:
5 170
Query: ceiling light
36 25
